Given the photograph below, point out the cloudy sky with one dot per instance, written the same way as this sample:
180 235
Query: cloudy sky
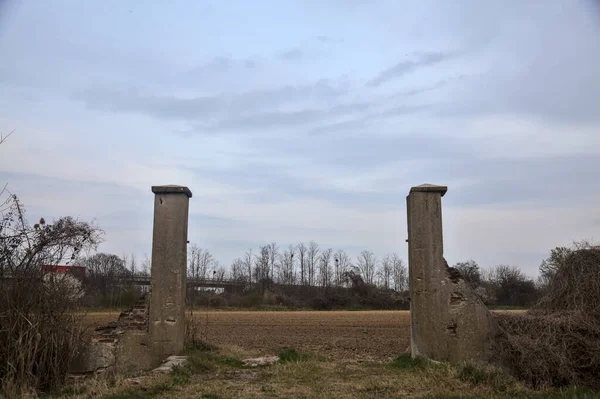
307 120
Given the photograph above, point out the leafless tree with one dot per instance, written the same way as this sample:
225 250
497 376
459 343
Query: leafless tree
386 271
342 264
400 273
262 264
325 268
125 260
237 269
470 272
132 263
287 265
199 262
218 272
508 285
302 258
248 264
273 255
552 264
367 263
312 258
146 265
104 271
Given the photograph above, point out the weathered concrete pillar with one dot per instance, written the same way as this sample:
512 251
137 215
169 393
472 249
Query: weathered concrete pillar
448 321
169 264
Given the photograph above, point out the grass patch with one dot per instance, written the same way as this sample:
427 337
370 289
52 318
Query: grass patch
292 355
406 362
506 307
376 390
200 362
200 346
496 379
231 362
142 393
308 372
204 357
181 375
454 397
66 391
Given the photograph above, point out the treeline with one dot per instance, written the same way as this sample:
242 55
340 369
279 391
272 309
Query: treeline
501 285
108 282
271 273
303 264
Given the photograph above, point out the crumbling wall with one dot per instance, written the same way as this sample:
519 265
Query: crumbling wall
120 346
449 322
136 318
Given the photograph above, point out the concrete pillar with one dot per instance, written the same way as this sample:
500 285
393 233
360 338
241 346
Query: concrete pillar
169 263
448 321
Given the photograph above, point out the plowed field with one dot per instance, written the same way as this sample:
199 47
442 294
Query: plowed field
343 334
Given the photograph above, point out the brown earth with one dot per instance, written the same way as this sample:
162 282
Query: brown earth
356 334
339 334
368 335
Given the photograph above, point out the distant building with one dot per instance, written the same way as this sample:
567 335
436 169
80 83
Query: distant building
77 271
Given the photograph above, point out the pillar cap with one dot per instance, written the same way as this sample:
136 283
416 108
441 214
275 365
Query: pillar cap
172 189
430 188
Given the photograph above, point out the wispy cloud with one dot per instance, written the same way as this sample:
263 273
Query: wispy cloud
405 67
254 108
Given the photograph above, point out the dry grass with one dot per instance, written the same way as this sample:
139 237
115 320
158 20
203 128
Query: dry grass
218 373
219 377
335 372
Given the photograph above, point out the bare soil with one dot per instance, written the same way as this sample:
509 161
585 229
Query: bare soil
345 334
367 335
337 334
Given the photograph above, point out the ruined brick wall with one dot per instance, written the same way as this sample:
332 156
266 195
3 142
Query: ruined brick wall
136 318
103 352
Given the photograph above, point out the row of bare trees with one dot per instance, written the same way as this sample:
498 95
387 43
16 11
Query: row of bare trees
302 264
108 276
308 264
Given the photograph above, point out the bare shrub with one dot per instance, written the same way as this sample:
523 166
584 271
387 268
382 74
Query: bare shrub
557 342
192 329
575 287
39 328
194 335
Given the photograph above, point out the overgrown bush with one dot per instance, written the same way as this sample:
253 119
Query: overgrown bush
320 303
217 301
251 299
557 342
39 330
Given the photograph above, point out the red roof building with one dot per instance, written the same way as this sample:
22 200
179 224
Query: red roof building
77 271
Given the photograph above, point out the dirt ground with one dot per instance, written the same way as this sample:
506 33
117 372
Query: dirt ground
356 334
368 335
338 334
342 354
